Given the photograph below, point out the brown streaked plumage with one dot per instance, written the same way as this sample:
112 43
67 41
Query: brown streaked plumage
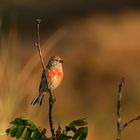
54 75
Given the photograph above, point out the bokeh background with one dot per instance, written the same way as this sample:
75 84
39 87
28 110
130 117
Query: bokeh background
99 41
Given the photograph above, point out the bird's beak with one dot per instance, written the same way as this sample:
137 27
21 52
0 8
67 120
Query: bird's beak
61 61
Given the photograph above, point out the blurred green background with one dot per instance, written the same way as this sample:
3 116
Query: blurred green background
99 42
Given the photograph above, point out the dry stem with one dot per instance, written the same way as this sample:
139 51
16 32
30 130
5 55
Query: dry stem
120 127
51 103
51 99
131 121
121 84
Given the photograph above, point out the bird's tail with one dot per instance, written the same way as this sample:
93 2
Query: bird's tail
38 100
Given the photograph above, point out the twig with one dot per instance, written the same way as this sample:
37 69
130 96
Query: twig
51 98
38 43
119 127
130 121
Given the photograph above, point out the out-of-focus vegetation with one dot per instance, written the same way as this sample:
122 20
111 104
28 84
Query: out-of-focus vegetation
97 49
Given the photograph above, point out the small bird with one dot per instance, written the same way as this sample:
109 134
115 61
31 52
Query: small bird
54 76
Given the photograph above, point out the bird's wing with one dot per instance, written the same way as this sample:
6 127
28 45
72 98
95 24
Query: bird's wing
43 84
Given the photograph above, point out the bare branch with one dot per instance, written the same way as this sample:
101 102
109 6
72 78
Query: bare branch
38 43
131 121
51 98
119 127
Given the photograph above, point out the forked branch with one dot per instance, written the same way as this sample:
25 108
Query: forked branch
121 126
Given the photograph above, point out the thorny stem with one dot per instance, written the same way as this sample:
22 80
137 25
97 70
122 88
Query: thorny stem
51 98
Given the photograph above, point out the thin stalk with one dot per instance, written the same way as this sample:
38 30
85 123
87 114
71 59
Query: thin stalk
119 127
51 98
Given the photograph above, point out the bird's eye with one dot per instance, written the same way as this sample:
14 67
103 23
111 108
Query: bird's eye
56 60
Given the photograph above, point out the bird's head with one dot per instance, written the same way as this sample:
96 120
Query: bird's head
55 62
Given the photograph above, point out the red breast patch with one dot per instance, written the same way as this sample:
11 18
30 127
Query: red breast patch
59 74
52 73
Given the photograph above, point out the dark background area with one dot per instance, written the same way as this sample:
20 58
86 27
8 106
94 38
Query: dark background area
54 13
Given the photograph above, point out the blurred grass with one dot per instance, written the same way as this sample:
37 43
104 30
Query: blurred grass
97 50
